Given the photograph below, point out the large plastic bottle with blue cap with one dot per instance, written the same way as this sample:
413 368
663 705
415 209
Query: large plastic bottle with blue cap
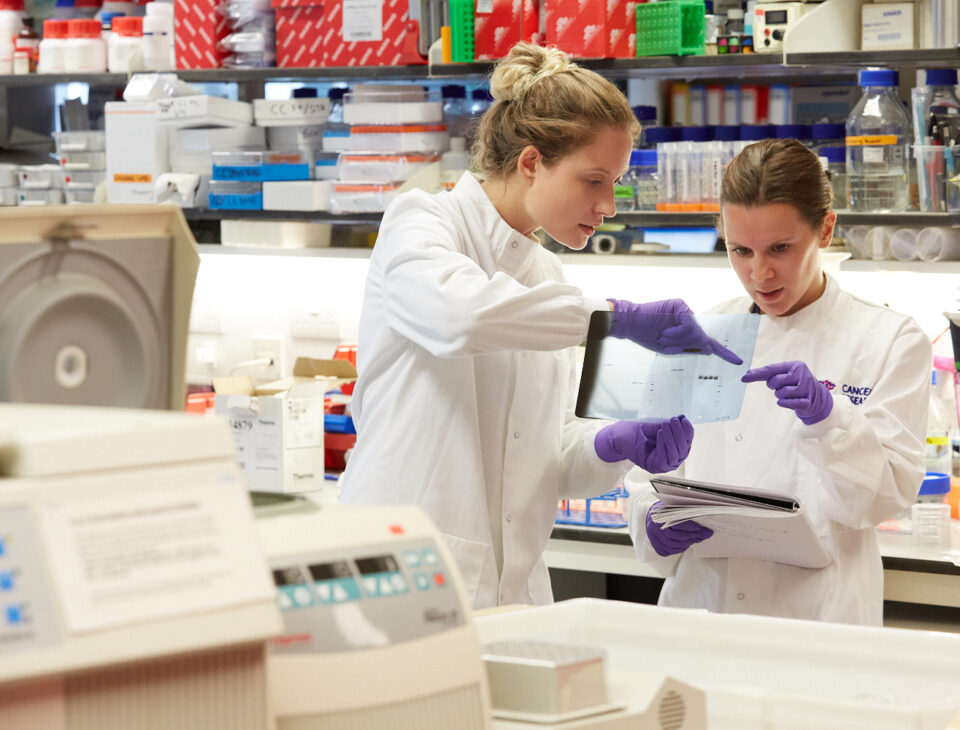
878 133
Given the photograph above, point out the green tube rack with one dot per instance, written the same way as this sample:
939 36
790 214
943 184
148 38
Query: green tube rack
461 31
671 28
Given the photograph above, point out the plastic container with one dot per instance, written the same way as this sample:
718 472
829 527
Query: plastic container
377 168
26 42
903 244
53 47
8 175
456 113
8 196
878 131
39 197
83 179
876 243
91 141
603 511
836 158
125 47
11 22
938 243
453 163
943 105
932 175
392 107
79 197
260 166
647 116
644 177
400 138
325 165
931 513
40 177
83 160
228 195
157 42
85 51
363 198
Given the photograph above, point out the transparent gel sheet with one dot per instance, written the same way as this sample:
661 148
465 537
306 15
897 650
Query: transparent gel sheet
623 380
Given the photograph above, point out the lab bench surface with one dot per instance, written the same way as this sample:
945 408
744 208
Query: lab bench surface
912 575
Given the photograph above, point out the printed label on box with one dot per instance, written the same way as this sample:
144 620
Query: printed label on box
304 423
362 20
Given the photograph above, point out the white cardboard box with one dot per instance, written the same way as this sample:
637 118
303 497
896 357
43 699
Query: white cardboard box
225 138
136 151
278 427
205 111
887 27
290 112
297 195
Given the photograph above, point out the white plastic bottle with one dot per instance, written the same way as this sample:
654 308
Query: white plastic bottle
939 455
878 132
125 48
453 163
53 47
11 21
85 51
158 53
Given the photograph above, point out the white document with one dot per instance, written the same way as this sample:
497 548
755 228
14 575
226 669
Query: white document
746 523
362 20
154 555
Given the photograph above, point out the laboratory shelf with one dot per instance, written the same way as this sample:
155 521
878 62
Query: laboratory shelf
347 219
333 253
324 73
920 57
94 79
654 219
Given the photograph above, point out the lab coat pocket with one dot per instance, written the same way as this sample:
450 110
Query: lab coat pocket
470 557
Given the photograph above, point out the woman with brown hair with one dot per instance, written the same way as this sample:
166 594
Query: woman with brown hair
843 430
467 386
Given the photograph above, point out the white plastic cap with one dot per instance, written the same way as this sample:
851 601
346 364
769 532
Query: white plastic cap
160 8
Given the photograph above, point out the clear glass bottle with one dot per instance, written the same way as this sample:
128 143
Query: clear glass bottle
455 110
836 165
878 131
647 116
939 454
644 178
944 105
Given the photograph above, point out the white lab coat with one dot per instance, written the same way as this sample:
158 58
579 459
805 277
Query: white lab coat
858 467
467 386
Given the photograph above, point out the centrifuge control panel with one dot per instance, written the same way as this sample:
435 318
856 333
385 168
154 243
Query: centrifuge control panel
360 599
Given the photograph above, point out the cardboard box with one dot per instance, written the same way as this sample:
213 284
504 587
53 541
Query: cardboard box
137 151
592 28
278 427
198 27
497 27
290 112
299 33
297 195
887 27
204 111
365 32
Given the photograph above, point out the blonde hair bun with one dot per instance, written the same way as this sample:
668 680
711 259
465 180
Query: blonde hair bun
524 66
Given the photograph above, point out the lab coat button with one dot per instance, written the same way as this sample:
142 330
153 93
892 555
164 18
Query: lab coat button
516 434
509 518
740 596
513 245
738 437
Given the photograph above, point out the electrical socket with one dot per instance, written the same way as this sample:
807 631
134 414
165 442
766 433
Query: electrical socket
206 317
311 322
267 348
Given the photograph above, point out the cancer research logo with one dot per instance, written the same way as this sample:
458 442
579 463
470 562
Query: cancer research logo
830 385
856 393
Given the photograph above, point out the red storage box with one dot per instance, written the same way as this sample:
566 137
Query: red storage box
592 28
498 25
300 27
353 36
197 30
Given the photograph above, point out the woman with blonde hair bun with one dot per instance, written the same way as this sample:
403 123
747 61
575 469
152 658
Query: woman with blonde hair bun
468 379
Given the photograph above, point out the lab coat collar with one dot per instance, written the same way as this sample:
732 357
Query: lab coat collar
812 314
511 249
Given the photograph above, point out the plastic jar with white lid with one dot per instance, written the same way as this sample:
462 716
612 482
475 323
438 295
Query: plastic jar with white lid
125 48
164 11
11 21
85 51
52 47
157 40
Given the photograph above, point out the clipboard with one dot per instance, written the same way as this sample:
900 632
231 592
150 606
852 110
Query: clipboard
750 523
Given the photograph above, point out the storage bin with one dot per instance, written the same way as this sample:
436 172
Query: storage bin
227 195
83 160
381 168
40 177
8 176
409 106
401 138
325 165
260 166
51 196
9 196
92 141
347 198
74 197
83 179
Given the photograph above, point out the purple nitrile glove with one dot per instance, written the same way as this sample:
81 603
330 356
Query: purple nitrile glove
656 446
677 538
668 327
795 388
